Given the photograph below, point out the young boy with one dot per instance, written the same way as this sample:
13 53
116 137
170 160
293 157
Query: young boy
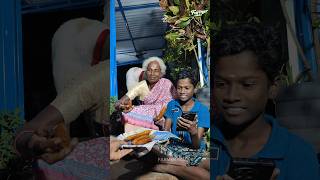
191 130
246 68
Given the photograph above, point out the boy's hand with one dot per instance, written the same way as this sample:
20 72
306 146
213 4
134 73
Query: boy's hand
224 177
190 126
275 174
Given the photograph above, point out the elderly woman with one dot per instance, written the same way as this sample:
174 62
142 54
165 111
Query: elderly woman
154 92
45 137
80 58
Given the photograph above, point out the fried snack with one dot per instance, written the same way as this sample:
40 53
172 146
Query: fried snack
54 155
126 107
61 132
134 141
160 115
142 140
145 132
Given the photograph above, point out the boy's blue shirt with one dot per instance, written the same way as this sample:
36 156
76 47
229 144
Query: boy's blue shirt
295 158
174 111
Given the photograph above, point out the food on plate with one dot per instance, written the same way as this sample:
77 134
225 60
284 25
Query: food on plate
145 132
142 140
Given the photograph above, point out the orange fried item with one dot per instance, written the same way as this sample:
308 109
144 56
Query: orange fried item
134 141
61 132
142 140
145 132
54 155
160 115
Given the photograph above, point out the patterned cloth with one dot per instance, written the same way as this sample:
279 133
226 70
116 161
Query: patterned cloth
159 96
88 161
176 152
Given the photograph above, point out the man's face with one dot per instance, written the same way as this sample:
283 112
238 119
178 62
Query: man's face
153 72
241 88
185 89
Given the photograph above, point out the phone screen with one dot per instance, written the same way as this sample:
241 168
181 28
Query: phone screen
187 115
251 169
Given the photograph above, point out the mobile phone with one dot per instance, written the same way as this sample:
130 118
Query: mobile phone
187 115
251 169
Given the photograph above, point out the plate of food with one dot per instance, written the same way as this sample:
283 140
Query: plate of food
145 138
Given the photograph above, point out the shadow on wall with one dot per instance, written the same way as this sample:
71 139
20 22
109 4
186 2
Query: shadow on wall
298 109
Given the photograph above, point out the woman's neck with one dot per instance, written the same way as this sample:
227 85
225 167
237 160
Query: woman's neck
150 86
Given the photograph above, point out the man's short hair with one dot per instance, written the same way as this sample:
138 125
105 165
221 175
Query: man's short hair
263 41
187 73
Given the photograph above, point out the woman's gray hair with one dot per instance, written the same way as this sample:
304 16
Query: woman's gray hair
146 62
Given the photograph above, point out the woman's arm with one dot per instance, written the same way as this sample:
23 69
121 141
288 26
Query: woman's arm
40 137
89 90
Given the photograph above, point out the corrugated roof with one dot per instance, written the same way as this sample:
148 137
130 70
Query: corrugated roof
144 18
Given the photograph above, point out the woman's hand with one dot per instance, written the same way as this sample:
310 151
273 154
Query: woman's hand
190 126
124 104
54 155
45 136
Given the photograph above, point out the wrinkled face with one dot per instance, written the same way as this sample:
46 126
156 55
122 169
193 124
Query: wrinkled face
185 89
241 88
153 72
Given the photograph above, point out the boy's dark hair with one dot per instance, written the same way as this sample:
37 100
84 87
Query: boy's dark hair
263 41
188 74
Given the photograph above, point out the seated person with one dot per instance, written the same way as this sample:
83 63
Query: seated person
154 92
39 137
133 76
247 63
192 131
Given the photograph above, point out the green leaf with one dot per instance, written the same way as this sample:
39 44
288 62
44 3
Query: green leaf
184 23
170 19
174 9
177 2
184 18
172 36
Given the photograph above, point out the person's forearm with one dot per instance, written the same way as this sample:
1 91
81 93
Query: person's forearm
21 142
195 140
86 91
191 172
42 124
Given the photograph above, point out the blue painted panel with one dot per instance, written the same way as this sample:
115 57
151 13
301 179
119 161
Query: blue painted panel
2 70
304 32
11 56
113 63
